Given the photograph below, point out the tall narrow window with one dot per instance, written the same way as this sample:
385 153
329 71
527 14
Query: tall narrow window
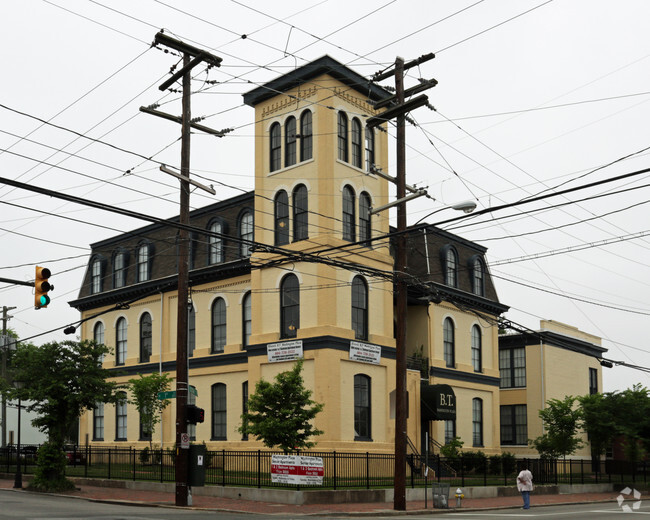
365 231
120 418
191 330
219 410
300 213
98 337
348 214
119 269
478 277
477 422
246 234
449 342
289 306
215 243
218 325
306 144
477 354
370 149
120 342
451 267
359 308
96 276
362 416
290 141
145 338
143 263
357 157
247 322
281 211
343 136
244 404
450 430
98 422
276 147
593 381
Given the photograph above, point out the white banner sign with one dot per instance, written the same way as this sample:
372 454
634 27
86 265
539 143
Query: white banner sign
287 351
297 469
365 353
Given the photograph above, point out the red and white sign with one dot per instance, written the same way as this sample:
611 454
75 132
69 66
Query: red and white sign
297 469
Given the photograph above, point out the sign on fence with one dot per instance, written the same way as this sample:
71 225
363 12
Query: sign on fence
297 469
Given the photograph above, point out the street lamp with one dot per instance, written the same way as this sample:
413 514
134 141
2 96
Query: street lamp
18 482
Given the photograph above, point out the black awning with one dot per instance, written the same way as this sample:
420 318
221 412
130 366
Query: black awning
437 403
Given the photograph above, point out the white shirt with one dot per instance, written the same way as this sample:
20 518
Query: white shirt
525 480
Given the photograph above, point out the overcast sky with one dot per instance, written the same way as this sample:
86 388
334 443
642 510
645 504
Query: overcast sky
533 97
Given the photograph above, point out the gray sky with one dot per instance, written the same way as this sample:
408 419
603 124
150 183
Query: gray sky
532 95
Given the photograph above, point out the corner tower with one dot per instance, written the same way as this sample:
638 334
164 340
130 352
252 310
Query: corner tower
313 192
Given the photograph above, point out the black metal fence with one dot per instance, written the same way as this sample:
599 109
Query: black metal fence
341 470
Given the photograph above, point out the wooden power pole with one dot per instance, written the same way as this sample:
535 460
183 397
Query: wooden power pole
192 56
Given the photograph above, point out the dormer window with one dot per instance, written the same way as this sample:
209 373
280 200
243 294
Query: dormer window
143 256
119 268
449 258
477 270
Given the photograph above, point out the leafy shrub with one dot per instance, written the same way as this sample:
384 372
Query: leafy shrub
49 474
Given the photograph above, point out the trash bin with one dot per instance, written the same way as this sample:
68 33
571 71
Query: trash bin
196 469
440 492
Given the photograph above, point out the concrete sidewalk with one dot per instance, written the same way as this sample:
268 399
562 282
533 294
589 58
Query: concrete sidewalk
162 498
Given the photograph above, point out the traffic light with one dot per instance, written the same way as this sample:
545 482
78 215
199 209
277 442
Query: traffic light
41 287
195 414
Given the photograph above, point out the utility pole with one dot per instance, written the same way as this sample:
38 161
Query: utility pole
5 348
399 111
192 56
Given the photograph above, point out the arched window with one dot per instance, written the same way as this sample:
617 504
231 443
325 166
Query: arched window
300 213
450 261
96 275
215 243
120 418
144 262
219 412
247 319
362 409
478 276
246 234
477 422
290 141
289 306
370 148
343 136
276 148
360 308
281 210
449 342
357 157
306 144
120 342
218 326
98 336
365 231
191 331
348 214
477 354
119 269
145 338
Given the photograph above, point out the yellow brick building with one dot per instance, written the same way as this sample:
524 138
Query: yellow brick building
300 266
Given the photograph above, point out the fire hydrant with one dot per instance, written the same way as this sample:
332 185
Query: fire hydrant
459 497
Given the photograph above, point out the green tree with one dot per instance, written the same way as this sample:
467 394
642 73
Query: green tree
281 413
60 381
145 391
600 420
561 422
632 409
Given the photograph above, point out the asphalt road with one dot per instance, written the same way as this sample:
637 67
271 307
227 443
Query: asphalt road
33 506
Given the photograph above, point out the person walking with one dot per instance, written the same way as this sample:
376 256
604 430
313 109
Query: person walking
525 486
